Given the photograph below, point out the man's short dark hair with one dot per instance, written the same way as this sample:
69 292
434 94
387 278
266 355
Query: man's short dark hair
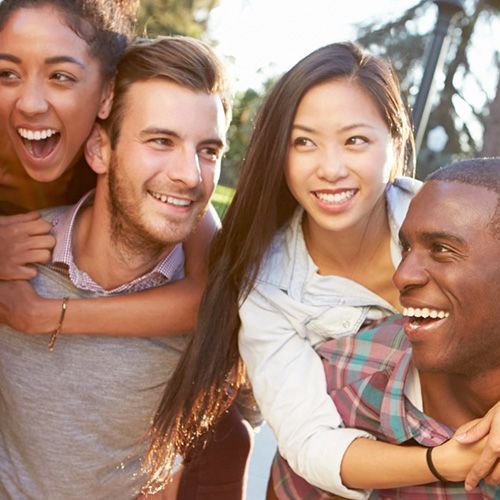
480 172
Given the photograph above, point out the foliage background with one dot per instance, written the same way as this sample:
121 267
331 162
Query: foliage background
466 111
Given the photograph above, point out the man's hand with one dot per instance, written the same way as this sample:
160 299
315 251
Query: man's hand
24 240
454 460
487 465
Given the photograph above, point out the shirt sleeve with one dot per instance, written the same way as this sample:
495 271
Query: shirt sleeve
289 384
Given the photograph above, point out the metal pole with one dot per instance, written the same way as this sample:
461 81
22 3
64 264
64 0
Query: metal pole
448 9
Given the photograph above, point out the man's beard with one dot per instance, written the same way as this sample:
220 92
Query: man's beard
127 230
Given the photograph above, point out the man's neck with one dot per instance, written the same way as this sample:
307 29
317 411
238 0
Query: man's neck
456 399
109 261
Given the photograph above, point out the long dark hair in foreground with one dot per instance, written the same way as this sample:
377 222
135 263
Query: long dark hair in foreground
210 371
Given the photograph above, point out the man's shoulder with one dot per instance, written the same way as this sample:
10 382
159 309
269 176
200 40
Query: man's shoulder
51 282
387 332
377 343
52 214
366 374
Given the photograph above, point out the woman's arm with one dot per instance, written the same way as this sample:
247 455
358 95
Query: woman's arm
289 385
376 465
167 310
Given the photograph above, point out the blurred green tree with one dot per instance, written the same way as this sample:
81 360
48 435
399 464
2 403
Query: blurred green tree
174 17
466 111
245 107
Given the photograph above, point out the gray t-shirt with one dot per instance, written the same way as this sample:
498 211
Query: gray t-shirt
74 422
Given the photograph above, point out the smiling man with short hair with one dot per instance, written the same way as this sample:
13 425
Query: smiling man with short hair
415 378
75 416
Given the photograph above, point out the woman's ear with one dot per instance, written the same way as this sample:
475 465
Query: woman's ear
106 100
98 150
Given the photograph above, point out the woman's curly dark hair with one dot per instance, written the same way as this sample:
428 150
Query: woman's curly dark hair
105 25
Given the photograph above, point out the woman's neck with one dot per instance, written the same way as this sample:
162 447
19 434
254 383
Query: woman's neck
361 253
20 193
343 251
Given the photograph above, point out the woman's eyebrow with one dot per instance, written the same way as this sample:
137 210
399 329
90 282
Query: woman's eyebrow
10 58
64 59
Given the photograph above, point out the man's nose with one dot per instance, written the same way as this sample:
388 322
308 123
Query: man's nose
411 272
187 169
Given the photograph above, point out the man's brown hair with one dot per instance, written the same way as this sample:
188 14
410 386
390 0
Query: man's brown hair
185 61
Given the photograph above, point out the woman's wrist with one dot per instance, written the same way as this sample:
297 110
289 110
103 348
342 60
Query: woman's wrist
443 460
42 317
432 466
452 460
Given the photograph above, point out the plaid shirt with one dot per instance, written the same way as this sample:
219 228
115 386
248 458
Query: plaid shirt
365 375
63 221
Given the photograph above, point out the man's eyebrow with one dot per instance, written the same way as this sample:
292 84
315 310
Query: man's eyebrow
10 58
430 236
441 235
216 141
158 131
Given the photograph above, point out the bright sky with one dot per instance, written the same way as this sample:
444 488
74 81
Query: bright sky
266 37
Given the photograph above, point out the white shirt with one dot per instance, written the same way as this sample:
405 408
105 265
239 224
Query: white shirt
291 309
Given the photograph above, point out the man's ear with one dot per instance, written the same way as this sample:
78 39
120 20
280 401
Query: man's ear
98 150
106 100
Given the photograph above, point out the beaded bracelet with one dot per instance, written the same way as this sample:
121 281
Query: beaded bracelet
57 331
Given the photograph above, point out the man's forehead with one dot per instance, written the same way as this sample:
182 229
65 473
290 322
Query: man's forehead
449 204
162 103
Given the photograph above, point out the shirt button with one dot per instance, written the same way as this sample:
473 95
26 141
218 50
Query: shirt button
346 324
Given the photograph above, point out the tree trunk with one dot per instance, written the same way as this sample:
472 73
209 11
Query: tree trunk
491 143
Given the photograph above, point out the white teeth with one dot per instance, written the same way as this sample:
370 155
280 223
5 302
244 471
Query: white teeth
170 199
36 135
335 197
416 312
177 201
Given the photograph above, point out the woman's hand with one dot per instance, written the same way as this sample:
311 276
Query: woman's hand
486 428
24 310
24 240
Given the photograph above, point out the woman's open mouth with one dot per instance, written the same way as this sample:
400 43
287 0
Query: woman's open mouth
39 143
